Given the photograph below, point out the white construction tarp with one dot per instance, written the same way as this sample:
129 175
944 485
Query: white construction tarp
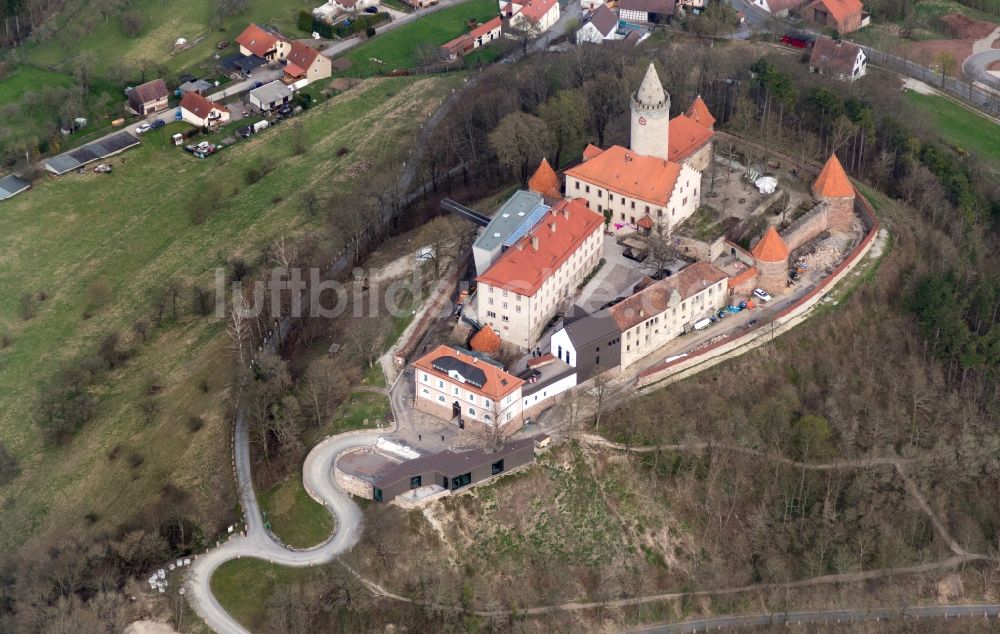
766 184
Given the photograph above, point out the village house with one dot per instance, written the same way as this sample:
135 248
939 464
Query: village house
620 335
270 96
778 8
149 98
264 43
534 14
524 287
650 11
479 36
474 392
657 179
200 112
305 65
603 25
844 16
199 86
843 60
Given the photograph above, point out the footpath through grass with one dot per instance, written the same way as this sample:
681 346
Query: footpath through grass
131 232
400 48
961 127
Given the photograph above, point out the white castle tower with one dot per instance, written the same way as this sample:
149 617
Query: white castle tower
650 117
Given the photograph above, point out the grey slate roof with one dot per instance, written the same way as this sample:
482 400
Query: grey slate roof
272 92
67 161
605 20
198 85
599 325
515 218
11 185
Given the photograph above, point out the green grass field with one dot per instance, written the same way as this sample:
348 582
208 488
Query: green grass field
359 407
960 127
132 231
24 79
165 21
244 586
295 518
400 48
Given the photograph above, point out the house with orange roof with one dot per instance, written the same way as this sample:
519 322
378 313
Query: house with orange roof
539 15
201 112
659 175
305 65
264 43
469 390
529 281
844 16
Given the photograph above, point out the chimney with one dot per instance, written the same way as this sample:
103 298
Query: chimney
534 242
520 246
475 359
553 227
565 211
642 312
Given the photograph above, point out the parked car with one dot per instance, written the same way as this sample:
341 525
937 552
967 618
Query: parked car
721 314
156 124
752 323
245 131
634 254
761 294
103 168
223 44
258 84
143 128
372 10
662 273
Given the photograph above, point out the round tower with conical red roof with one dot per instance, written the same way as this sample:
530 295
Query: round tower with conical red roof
833 188
770 256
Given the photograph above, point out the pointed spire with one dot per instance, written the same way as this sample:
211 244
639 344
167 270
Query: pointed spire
699 112
544 181
651 92
485 340
771 247
833 182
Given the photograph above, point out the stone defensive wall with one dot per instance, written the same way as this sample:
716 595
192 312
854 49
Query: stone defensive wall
782 322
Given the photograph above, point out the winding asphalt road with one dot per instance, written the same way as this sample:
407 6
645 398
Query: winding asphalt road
317 476
977 66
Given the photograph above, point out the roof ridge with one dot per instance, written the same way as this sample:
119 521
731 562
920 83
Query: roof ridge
832 181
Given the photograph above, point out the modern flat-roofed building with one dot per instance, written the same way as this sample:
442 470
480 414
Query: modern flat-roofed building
516 217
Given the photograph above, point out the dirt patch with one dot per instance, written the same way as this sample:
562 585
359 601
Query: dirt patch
343 83
149 627
927 52
965 28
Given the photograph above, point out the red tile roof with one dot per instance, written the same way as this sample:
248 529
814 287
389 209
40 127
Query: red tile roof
497 383
840 9
655 298
150 91
524 268
645 222
535 10
198 105
485 28
743 276
544 181
534 362
301 56
700 113
624 172
687 136
485 340
833 182
770 248
259 41
591 151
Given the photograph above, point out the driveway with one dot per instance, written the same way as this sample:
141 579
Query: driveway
977 67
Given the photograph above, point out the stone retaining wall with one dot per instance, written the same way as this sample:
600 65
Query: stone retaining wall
350 483
784 321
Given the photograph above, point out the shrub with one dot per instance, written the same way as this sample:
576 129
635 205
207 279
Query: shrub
9 467
195 423
305 21
28 307
134 458
203 385
201 301
5 341
149 407
238 268
114 452
132 23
